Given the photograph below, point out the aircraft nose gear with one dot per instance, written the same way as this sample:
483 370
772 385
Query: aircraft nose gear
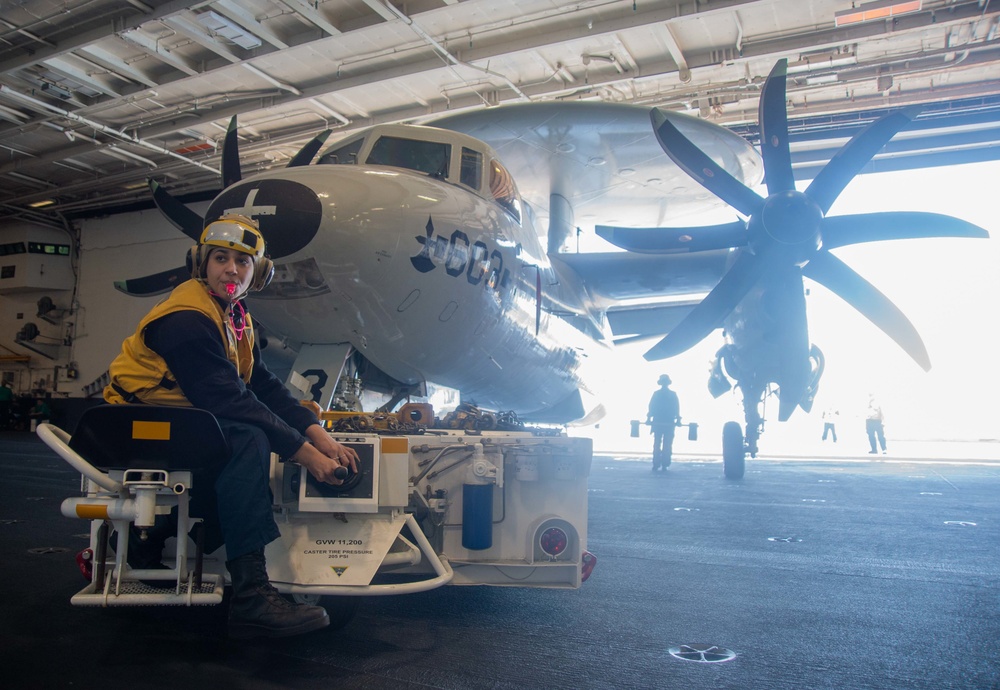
717 381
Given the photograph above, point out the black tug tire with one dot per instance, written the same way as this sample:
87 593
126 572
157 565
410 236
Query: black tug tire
341 610
733 454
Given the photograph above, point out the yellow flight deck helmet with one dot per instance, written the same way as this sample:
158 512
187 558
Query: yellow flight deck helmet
232 231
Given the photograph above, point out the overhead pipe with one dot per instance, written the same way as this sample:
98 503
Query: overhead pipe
110 131
446 54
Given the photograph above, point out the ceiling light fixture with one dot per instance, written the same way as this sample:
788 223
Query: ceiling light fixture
820 79
879 9
221 26
58 91
826 60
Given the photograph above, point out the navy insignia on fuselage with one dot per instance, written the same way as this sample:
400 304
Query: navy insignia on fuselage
422 261
459 256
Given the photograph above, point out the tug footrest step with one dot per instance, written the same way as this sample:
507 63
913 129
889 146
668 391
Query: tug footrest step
136 593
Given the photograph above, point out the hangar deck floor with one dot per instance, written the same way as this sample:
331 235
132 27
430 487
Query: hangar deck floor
833 574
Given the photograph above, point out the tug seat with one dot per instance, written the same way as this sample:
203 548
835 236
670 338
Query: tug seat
139 461
154 437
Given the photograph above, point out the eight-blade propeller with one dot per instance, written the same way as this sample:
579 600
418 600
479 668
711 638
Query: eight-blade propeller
787 234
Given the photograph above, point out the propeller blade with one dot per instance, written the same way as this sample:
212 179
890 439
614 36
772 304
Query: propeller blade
676 240
788 400
773 119
855 155
711 311
788 296
179 215
538 299
231 173
703 169
842 280
309 151
156 284
629 339
840 231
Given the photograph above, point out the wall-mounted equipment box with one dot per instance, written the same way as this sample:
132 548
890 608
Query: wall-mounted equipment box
34 258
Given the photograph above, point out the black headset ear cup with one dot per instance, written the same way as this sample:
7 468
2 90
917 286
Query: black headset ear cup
198 256
263 272
190 261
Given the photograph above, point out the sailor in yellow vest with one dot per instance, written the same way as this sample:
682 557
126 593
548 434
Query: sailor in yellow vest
197 348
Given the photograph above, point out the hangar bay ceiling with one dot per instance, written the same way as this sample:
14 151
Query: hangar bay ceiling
98 96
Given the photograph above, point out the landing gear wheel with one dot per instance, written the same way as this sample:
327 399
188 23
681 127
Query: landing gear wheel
340 609
733 453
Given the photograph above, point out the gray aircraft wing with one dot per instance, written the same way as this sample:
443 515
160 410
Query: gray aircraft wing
603 159
644 294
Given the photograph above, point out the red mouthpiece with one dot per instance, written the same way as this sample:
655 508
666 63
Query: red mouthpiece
230 289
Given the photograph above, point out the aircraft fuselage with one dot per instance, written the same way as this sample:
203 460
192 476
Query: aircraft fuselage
429 278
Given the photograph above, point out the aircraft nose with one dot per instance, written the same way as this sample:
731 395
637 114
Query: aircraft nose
289 213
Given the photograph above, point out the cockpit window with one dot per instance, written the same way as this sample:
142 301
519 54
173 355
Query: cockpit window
503 190
472 165
343 155
424 156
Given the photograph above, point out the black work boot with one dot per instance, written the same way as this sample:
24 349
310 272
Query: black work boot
259 610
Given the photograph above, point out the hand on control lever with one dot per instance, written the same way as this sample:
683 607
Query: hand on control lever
324 457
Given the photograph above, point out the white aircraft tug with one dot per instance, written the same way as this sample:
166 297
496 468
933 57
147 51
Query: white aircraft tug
434 503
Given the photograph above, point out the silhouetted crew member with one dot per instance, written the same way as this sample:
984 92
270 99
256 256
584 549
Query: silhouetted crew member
830 415
40 413
6 405
874 425
663 417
